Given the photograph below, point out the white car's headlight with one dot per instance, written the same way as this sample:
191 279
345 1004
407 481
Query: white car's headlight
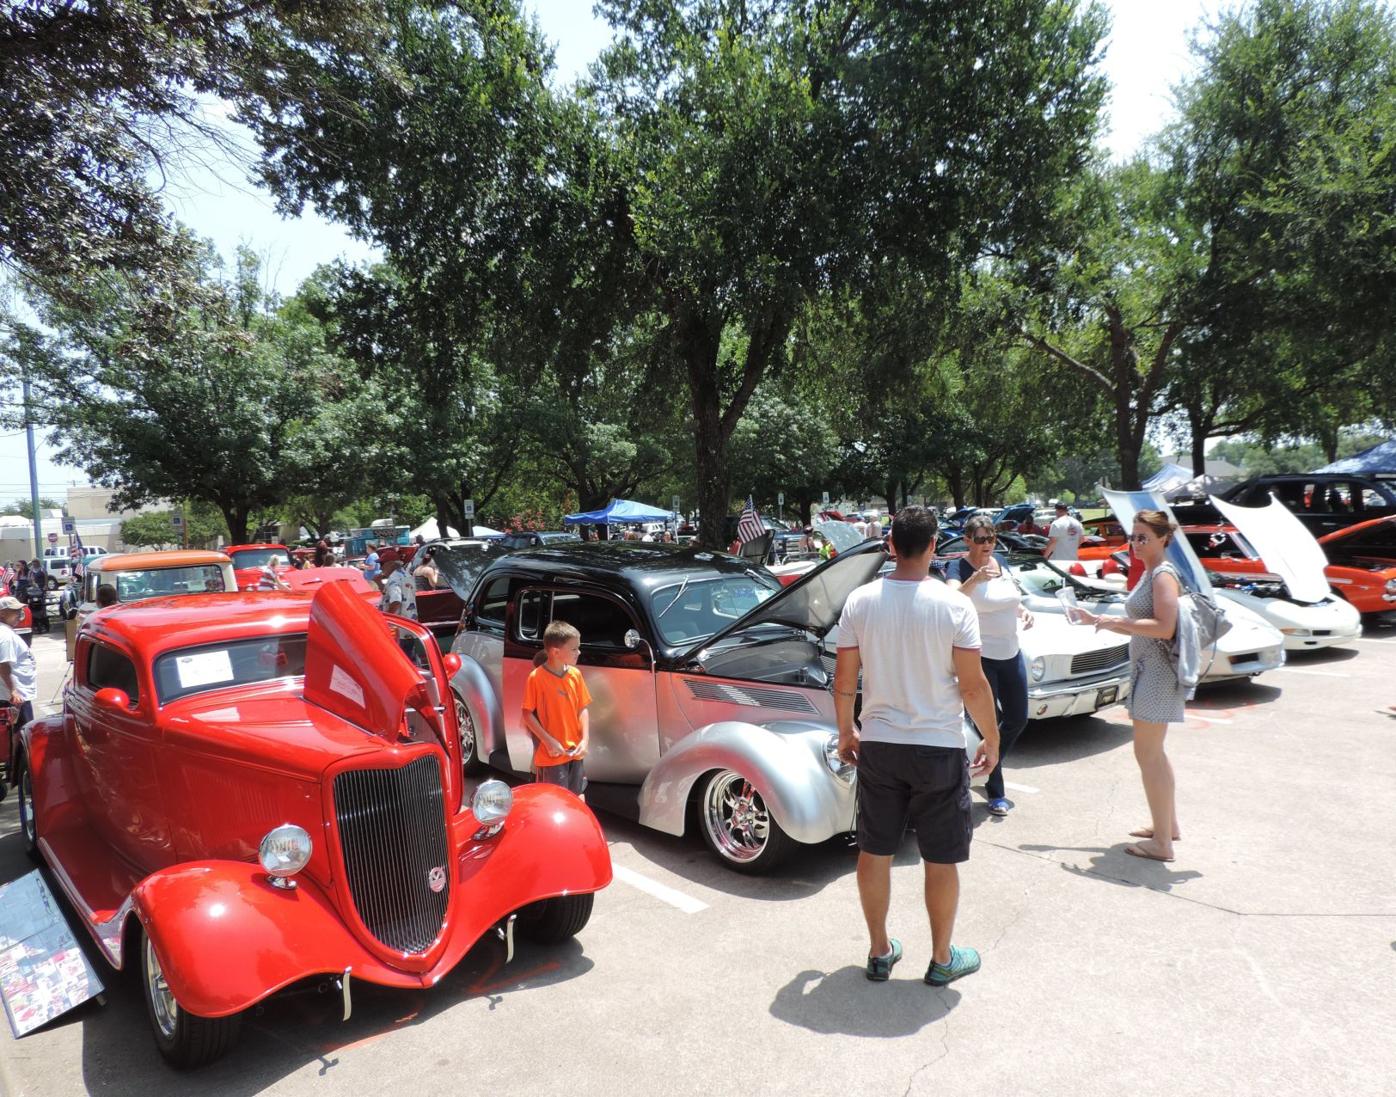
837 766
285 850
492 802
1037 668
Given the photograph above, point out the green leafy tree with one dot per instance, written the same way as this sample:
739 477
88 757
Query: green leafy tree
199 406
777 151
95 97
1283 147
25 507
156 529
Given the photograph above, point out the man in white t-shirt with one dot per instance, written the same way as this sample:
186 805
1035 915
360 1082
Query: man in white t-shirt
1064 538
19 679
916 643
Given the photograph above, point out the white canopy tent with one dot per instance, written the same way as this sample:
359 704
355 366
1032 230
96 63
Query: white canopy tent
429 531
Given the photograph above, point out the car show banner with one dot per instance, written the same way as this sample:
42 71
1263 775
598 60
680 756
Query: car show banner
43 970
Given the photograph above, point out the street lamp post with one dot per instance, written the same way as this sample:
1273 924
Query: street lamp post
33 471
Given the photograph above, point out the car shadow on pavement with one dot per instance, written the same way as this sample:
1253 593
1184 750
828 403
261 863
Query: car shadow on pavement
1051 742
1321 657
807 871
301 1027
1114 866
845 1002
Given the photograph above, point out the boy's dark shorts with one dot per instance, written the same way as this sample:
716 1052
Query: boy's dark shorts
566 774
927 787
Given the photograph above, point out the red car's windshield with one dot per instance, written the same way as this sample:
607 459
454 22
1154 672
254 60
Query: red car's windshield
237 663
256 558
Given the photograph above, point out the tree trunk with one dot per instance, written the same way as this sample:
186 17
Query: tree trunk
955 481
236 517
1198 428
443 517
714 479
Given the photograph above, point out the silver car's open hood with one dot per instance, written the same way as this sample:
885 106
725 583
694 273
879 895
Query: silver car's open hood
814 601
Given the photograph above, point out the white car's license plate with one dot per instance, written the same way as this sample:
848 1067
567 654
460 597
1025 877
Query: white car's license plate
1107 696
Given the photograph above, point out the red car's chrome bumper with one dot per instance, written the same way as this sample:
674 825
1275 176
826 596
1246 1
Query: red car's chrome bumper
227 938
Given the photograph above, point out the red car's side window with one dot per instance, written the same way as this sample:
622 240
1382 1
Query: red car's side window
107 667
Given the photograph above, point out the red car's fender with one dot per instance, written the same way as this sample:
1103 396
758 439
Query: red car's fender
227 938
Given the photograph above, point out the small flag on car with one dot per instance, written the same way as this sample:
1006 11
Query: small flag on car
749 526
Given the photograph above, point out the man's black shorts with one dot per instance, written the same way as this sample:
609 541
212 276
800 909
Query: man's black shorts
926 786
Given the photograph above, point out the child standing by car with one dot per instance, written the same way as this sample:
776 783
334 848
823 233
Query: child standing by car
555 710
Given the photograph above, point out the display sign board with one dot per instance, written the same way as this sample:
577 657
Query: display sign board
43 971
176 519
825 501
70 526
674 504
468 509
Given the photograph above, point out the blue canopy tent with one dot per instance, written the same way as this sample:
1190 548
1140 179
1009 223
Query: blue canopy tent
1380 458
619 512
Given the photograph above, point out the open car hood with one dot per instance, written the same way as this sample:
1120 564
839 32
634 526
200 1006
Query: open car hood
1126 504
354 669
462 564
814 601
1287 548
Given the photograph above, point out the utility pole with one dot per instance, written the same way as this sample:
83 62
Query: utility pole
33 471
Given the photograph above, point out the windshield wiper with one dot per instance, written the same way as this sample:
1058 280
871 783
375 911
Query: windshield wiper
682 587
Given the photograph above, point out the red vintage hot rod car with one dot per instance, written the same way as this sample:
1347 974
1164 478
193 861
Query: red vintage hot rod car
248 790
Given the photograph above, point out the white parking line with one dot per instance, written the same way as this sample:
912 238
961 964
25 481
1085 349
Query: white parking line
1314 673
1202 714
1020 788
1375 640
662 892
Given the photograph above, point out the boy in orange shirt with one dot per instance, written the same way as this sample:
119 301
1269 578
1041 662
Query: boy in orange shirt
555 710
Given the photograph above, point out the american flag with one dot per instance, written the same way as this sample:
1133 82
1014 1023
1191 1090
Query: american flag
749 527
75 553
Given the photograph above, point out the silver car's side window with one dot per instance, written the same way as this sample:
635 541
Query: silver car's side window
602 622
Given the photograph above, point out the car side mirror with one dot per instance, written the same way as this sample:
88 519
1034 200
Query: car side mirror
112 698
452 662
633 639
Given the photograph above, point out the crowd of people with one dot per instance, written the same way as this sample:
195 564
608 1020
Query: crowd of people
924 654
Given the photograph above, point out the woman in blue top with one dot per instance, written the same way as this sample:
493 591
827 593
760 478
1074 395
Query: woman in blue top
984 578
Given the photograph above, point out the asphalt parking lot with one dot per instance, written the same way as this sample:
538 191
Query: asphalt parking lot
1261 961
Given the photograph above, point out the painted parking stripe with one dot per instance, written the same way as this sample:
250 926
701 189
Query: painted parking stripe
1374 640
1314 673
662 892
1020 788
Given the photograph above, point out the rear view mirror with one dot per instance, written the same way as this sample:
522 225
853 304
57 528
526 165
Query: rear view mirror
113 699
632 639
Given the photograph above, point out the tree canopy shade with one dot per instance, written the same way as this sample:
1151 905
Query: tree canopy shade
94 96
776 151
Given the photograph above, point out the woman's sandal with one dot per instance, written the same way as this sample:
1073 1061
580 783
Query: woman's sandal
1148 832
1140 851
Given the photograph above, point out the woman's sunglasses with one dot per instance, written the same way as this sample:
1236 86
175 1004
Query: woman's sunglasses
1138 538
984 540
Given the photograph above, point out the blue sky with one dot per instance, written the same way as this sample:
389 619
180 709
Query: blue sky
1147 54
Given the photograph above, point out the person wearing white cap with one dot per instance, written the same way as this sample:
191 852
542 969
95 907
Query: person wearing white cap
19 679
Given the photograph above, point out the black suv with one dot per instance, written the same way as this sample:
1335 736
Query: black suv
1323 501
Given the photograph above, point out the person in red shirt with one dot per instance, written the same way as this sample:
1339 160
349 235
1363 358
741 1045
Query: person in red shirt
555 705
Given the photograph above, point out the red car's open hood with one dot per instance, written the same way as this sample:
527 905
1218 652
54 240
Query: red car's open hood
352 666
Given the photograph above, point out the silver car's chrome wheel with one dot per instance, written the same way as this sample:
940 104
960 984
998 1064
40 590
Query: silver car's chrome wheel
735 817
164 1010
469 741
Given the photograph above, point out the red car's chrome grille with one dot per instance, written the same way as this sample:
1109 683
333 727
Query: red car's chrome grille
392 830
